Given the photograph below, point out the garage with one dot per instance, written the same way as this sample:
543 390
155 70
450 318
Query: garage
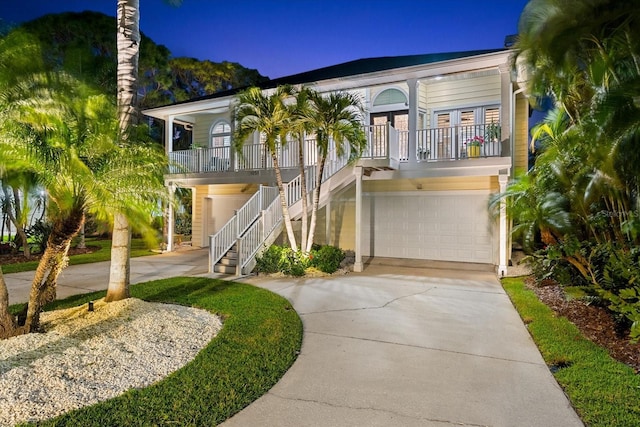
430 225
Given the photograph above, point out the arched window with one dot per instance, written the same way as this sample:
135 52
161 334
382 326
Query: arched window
221 134
390 96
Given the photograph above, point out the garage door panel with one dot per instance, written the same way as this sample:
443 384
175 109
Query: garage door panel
447 227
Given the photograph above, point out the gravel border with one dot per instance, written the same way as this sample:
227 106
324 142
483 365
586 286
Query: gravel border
87 357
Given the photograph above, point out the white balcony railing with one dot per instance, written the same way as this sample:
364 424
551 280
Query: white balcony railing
383 142
457 142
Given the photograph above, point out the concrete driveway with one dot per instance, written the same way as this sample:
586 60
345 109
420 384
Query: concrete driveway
78 279
398 346
392 346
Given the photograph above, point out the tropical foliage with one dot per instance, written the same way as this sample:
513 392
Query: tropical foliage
579 205
289 115
63 134
84 45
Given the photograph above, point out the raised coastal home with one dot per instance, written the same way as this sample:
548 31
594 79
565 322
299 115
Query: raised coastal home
444 132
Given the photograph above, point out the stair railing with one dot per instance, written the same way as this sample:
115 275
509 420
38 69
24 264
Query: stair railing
226 237
255 220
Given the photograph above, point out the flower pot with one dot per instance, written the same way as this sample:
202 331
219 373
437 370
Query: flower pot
473 151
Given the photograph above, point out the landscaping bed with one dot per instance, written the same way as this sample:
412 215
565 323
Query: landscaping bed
594 322
19 257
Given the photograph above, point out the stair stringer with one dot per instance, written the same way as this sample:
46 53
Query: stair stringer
336 182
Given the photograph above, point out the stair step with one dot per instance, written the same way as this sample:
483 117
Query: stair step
231 255
228 261
226 269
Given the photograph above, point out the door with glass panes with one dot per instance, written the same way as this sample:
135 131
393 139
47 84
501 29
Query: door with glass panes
400 122
456 129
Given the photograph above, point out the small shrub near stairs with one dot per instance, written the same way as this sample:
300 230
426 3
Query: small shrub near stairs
286 261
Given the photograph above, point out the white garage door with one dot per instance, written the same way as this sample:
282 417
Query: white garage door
443 226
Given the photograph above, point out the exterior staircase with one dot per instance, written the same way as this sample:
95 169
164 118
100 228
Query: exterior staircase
229 262
256 225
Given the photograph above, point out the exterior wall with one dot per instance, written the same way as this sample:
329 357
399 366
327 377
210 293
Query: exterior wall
202 127
214 205
342 230
199 193
463 92
521 134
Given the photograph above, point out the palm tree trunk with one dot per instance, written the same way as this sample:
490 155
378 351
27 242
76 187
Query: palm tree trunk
316 202
128 41
120 269
283 202
53 261
303 184
26 251
7 320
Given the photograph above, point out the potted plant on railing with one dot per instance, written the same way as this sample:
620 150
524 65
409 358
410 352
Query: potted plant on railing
493 132
473 146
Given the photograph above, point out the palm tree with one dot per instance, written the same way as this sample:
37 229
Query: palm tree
128 45
299 125
334 118
65 135
256 111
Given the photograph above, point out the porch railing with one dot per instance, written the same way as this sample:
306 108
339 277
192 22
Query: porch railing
383 142
458 142
213 159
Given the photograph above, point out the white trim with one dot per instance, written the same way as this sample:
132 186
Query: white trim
422 193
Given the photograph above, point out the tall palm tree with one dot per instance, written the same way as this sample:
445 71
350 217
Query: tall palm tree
299 126
256 111
335 118
128 44
65 135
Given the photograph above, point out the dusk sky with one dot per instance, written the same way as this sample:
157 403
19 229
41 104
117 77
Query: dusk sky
284 37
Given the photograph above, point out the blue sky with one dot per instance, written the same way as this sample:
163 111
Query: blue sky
283 37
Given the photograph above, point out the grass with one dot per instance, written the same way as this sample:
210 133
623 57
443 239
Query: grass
603 391
138 248
261 338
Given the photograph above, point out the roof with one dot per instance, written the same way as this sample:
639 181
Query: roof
353 68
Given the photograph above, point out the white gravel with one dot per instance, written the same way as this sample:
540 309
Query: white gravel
86 357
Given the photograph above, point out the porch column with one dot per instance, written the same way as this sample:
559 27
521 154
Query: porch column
170 218
413 119
357 266
168 135
327 220
507 111
504 237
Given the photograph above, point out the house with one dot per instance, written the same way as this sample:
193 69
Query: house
419 191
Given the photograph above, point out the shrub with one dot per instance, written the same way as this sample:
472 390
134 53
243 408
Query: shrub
293 263
283 259
327 258
269 262
38 233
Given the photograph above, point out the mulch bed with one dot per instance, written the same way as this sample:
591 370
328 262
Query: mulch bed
594 322
19 257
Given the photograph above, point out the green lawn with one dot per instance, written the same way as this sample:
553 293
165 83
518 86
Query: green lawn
138 248
259 341
604 391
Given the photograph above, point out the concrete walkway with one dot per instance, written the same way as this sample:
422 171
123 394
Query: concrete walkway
409 347
393 346
77 279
